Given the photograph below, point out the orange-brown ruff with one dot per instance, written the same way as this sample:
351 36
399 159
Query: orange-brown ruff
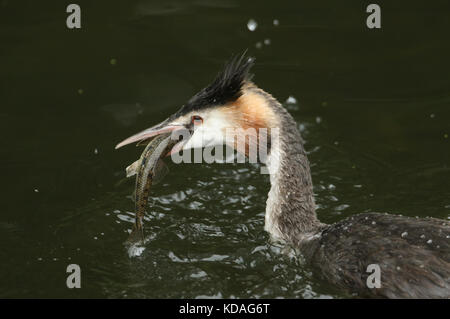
251 112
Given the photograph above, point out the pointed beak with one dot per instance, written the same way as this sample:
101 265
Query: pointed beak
163 127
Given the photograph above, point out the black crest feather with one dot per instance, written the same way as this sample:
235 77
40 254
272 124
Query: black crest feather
226 87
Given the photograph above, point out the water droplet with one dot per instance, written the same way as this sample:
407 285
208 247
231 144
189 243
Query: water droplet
374 223
432 115
267 41
252 25
258 45
318 119
342 207
36 190
334 198
429 241
404 234
331 187
302 127
96 151
199 274
422 236
291 100
276 22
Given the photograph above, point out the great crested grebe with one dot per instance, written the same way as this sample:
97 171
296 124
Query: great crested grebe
413 254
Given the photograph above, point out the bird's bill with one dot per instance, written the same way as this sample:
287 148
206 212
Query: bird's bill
163 127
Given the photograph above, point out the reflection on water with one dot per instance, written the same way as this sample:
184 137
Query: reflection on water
372 107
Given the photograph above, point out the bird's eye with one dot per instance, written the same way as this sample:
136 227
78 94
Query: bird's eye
197 119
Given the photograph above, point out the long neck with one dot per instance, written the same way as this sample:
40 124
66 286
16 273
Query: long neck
290 211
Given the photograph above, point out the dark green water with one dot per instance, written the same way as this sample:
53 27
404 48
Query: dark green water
373 107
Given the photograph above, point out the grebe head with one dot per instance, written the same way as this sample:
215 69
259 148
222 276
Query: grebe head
231 101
